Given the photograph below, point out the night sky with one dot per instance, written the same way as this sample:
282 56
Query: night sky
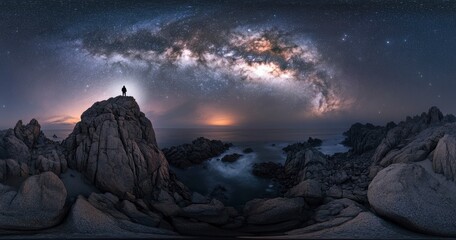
262 64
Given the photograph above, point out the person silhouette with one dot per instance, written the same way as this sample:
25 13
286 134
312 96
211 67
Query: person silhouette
124 91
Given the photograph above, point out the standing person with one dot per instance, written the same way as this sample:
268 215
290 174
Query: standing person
124 91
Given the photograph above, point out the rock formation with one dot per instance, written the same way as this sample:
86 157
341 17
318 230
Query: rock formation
114 146
38 204
415 198
200 150
27 148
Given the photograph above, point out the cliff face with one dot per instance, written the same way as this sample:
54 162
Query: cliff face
114 146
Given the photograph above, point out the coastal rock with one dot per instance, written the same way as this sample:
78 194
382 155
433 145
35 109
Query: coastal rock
12 147
310 190
39 203
413 139
231 157
28 145
114 146
362 138
330 215
247 150
85 219
213 212
275 210
416 198
444 158
416 150
200 150
296 147
267 169
305 164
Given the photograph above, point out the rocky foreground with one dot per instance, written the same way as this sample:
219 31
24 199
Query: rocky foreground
396 182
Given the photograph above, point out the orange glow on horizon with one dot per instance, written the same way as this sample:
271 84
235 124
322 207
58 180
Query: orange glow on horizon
220 121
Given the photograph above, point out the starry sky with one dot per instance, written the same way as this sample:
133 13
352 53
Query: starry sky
253 64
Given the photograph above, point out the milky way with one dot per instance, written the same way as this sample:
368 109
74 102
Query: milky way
255 63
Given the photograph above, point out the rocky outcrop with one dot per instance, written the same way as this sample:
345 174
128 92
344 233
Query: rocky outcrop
331 214
231 157
28 146
416 198
114 146
444 157
200 150
267 169
85 219
275 210
38 204
362 138
413 139
309 189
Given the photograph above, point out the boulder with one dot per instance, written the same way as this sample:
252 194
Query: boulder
129 209
12 147
231 157
114 146
364 137
213 212
444 158
28 134
415 197
200 150
38 204
199 199
310 190
85 219
275 210
267 169
413 139
247 150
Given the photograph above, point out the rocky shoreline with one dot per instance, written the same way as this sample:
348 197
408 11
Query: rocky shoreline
396 182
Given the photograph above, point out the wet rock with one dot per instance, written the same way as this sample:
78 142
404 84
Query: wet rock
198 151
247 150
231 157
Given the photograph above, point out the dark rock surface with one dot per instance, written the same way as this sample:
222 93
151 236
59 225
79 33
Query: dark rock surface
231 157
200 150
362 138
267 169
247 150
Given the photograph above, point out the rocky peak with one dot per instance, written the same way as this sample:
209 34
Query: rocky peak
114 146
29 133
434 115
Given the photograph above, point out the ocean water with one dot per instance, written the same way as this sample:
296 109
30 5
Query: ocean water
236 178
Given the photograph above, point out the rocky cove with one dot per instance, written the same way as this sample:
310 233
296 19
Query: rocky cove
110 179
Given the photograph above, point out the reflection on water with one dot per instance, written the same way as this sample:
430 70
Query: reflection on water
236 177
